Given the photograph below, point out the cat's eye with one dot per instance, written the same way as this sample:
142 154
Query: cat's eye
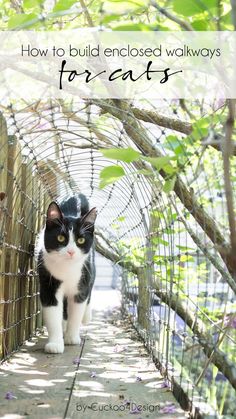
61 238
81 240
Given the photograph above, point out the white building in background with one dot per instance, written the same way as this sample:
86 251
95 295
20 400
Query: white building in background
107 273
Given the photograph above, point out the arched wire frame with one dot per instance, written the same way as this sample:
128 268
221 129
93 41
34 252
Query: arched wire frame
174 285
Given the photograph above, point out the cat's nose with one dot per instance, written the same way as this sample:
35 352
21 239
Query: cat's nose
71 252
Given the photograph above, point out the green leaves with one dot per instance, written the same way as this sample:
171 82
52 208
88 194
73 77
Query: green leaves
201 25
161 163
157 241
22 21
121 219
128 155
33 5
169 185
119 15
200 128
185 248
110 174
121 7
63 5
175 144
36 17
132 27
192 7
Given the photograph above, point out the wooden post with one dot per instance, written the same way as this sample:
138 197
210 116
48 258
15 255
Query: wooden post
13 243
48 178
24 259
29 236
143 300
20 221
145 276
32 279
40 225
3 190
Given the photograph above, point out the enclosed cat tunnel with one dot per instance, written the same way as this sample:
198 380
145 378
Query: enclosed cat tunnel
162 224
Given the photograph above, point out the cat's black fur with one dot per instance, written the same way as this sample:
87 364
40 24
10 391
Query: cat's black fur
73 211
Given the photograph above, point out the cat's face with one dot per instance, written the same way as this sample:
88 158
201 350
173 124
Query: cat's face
67 237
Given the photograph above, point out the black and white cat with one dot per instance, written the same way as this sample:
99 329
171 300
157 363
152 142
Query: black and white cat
65 260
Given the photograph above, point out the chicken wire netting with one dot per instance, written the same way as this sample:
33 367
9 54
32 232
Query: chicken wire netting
163 220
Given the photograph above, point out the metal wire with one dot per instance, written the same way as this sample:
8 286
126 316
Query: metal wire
171 287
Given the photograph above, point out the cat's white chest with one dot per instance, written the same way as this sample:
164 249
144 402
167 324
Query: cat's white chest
67 271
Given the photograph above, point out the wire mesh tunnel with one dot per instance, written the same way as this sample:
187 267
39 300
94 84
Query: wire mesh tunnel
162 218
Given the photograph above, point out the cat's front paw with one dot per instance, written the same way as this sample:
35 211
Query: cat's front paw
71 339
54 347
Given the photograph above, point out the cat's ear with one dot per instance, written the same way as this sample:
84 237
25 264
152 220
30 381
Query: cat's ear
54 212
90 217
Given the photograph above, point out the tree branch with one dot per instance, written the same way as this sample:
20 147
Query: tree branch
173 301
109 253
212 258
121 110
187 197
92 127
233 5
183 23
16 6
175 124
218 358
164 121
86 12
185 108
227 152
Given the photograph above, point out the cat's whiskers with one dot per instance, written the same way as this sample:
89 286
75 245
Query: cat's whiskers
86 268
86 228
60 223
39 263
61 277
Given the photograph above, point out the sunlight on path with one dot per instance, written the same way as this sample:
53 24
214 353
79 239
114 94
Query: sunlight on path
109 375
